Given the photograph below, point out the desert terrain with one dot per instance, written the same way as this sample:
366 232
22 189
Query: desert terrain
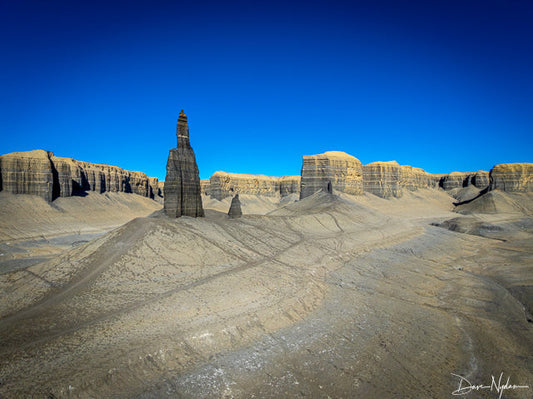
332 296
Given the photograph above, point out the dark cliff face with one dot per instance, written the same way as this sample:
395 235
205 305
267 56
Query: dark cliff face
182 184
42 173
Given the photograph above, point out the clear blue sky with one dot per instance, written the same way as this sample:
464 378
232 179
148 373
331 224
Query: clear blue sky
439 84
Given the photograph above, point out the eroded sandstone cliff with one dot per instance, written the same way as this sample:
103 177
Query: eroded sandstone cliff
332 170
223 184
41 173
513 177
479 179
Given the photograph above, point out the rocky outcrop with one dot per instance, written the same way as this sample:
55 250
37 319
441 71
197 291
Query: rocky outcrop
383 179
289 185
479 179
235 210
416 178
389 179
332 170
28 172
42 173
182 195
222 185
512 177
205 187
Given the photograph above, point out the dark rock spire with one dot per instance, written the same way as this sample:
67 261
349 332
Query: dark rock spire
182 130
235 210
182 184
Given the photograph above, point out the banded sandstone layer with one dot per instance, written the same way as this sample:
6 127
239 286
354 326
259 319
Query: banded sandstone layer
333 170
389 179
223 184
43 174
182 184
512 177
479 179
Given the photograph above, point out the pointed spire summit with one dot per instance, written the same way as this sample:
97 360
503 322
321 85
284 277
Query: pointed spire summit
182 130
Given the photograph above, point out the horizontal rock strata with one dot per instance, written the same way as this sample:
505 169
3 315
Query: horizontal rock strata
332 170
222 185
182 195
41 173
389 179
512 177
479 179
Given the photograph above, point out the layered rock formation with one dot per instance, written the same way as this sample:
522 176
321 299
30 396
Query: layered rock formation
479 179
182 184
383 179
389 179
222 185
333 169
41 173
235 210
27 173
512 177
205 186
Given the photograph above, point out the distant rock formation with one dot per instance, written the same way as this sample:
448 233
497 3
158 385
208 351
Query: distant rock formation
222 185
205 186
512 177
383 179
334 169
182 185
28 173
389 179
235 210
479 179
41 173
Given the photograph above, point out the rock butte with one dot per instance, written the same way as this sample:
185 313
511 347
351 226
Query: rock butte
223 184
182 184
41 173
333 169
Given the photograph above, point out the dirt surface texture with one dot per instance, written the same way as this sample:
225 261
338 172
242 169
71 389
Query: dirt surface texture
333 296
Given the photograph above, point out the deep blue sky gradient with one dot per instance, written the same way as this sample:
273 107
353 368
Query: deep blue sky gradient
442 85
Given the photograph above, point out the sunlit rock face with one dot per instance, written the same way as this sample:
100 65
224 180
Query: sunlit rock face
383 179
479 179
27 173
223 184
182 184
389 179
43 174
517 177
332 170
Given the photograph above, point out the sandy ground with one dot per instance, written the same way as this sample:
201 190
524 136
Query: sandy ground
332 296
33 230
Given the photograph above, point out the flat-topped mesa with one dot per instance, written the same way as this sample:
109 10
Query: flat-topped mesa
512 177
332 170
389 179
182 185
479 179
41 173
222 185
